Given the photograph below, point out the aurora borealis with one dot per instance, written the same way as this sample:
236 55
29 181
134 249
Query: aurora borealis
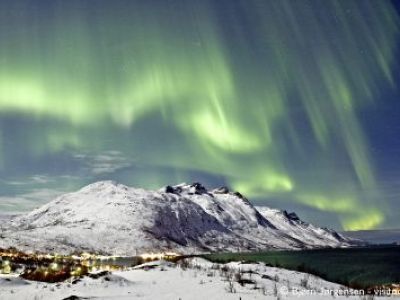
292 103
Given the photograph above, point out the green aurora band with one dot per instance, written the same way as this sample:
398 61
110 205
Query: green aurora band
265 94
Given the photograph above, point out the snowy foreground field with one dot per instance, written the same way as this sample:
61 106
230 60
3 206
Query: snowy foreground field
190 279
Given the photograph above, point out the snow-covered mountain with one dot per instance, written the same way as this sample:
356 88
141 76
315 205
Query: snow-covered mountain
110 218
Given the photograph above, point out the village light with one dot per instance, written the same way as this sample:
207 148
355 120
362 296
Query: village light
154 256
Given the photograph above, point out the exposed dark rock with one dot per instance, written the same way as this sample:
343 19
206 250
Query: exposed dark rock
74 297
199 188
98 275
291 216
169 189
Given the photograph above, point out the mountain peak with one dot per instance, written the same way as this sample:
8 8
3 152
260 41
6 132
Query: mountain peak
195 188
102 185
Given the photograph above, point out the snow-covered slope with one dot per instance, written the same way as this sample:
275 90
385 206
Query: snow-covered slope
198 280
296 228
110 218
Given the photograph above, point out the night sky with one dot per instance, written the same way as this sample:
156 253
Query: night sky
293 103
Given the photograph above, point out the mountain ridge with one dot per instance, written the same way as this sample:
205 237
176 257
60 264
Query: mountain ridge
110 218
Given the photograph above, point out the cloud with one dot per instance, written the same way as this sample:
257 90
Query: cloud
41 179
34 179
28 201
105 162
